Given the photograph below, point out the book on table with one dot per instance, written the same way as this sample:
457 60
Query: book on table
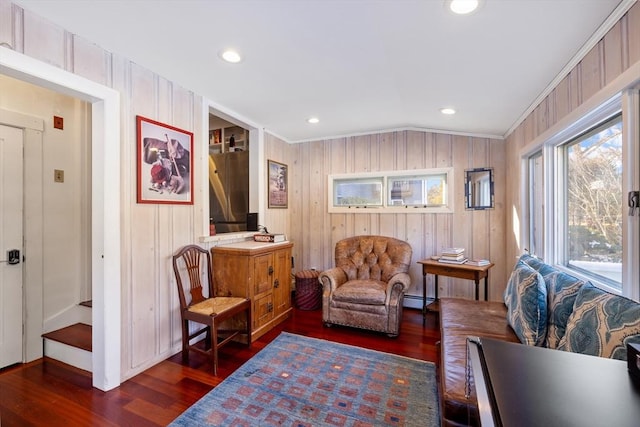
478 262
449 261
453 258
269 238
452 251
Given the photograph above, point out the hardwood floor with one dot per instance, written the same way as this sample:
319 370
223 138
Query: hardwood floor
47 392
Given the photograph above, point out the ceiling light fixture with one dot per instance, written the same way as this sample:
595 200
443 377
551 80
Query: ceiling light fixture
231 56
447 111
313 120
462 7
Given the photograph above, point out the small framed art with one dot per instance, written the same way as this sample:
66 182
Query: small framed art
278 186
165 163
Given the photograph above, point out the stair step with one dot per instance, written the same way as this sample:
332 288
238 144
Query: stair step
87 303
78 335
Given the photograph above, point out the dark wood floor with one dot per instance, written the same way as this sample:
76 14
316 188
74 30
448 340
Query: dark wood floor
50 393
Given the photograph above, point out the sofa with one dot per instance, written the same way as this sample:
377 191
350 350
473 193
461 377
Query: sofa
542 306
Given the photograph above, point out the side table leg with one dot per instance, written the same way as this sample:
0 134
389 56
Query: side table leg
486 286
424 293
477 288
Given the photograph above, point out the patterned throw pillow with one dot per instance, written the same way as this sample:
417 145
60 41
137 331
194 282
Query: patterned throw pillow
526 301
601 324
562 290
537 264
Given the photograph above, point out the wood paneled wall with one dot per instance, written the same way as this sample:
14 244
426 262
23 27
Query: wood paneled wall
315 231
615 53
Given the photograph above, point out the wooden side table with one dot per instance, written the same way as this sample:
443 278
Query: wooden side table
460 271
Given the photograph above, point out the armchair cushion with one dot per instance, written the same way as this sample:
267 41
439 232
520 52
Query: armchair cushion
372 292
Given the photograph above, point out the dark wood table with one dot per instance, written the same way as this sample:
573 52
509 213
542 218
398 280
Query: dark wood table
522 385
460 271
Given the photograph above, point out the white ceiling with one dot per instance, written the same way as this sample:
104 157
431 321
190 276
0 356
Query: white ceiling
359 65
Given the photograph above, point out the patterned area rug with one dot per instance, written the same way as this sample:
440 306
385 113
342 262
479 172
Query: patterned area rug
300 381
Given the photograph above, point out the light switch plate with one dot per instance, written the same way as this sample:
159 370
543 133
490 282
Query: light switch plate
58 175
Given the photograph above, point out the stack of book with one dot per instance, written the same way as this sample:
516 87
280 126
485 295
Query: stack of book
453 256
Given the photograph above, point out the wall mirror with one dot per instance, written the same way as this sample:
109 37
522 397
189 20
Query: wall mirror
478 188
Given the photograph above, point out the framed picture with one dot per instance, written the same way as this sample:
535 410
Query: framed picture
165 163
217 136
277 179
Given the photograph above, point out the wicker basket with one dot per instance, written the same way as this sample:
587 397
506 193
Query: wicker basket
308 290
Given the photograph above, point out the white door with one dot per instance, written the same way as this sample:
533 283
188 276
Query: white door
11 214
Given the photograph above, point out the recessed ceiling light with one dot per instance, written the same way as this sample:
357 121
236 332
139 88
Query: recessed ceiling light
462 7
313 120
447 111
231 56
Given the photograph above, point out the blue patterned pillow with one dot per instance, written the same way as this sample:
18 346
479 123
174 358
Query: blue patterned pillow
601 324
526 301
537 264
562 290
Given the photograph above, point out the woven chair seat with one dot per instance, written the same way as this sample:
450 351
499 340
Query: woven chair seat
217 305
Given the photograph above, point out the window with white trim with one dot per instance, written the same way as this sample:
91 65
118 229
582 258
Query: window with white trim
424 190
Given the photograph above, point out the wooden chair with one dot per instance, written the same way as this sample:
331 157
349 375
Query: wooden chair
194 265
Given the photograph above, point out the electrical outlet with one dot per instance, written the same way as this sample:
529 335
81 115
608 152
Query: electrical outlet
58 175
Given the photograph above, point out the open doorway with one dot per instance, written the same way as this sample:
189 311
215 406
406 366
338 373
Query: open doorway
104 223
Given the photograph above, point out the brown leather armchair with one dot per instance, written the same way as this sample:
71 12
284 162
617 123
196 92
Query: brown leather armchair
366 287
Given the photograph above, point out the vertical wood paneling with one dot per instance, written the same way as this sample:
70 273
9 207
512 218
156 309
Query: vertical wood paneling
591 72
633 36
144 235
44 40
575 94
562 101
497 224
90 61
613 54
6 19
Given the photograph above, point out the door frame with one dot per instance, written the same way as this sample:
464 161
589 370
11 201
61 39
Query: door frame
105 223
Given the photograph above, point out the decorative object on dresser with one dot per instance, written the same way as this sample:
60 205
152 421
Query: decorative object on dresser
258 271
269 238
302 381
193 264
366 287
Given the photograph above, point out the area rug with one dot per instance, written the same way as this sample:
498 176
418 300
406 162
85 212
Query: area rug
300 381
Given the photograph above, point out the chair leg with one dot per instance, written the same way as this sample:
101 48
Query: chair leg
214 347
185 341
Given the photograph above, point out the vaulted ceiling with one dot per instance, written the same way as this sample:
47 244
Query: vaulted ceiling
360 66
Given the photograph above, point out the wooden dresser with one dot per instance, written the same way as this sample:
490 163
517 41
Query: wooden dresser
259 271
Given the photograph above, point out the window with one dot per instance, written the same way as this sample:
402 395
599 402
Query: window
358 192
592 202
423 190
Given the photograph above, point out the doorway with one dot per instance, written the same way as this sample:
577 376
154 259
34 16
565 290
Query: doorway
105 223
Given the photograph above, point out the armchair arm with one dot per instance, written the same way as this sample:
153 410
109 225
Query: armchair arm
397 286
331 279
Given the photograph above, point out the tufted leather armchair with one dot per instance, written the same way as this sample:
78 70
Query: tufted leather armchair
366 287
